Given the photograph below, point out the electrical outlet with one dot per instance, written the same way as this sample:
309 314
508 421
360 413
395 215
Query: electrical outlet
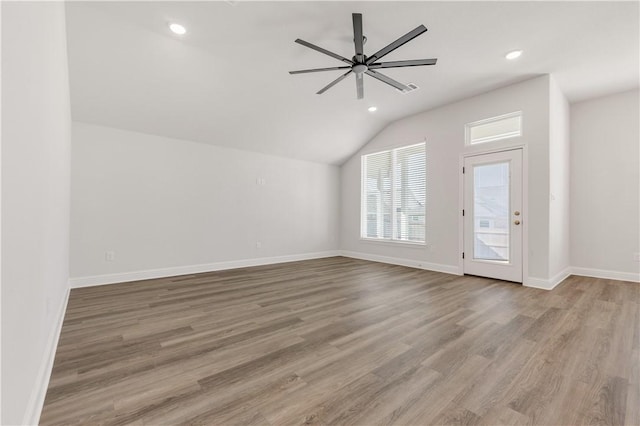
258 244
261 181
636 257
110 256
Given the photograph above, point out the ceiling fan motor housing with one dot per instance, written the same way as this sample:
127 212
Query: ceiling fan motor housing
359 68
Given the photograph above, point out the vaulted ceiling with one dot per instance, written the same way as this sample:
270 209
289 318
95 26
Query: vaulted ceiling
226 81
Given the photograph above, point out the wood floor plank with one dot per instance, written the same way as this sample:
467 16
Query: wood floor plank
344 341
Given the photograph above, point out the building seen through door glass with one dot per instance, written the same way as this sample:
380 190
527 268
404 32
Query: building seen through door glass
491 211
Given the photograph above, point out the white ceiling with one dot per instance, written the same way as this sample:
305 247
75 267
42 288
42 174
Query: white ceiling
226 82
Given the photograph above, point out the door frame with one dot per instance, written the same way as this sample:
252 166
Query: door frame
525 204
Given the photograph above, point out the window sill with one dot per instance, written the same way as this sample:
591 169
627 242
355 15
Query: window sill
394 243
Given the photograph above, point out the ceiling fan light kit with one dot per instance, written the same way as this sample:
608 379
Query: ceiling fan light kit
361 64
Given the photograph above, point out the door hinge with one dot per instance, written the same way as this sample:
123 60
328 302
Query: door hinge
463 255
462 212
462 169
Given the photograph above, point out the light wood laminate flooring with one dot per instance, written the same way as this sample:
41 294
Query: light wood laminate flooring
344 341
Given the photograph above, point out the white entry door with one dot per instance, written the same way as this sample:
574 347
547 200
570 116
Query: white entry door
493 215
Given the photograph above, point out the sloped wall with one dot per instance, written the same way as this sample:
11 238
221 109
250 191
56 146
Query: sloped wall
164 205
443 129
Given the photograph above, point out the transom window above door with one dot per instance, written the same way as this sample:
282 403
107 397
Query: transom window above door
494 128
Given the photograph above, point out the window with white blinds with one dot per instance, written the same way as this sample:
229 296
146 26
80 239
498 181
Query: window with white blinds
394 194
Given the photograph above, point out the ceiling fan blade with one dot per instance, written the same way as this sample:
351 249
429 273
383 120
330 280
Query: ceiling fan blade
325 51
399 42
358 39
399 64
360 85
318 70
333 83
385 79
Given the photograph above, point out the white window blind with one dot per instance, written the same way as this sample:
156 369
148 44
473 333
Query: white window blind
394 194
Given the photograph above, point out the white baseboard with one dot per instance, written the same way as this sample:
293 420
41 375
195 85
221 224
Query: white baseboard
541 283
606 274
193 269
447 269
550 283
36 401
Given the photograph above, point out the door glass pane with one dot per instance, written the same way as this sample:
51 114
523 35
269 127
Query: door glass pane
491 212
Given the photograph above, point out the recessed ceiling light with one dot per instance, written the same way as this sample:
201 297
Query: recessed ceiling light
513 54
372 109
178 29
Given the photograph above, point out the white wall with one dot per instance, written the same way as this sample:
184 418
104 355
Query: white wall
35 199
165 203
443 129
605 185
559 197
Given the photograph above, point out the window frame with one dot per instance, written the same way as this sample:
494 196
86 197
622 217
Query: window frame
363 199
468 126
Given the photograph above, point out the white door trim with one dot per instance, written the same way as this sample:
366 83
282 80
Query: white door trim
525 205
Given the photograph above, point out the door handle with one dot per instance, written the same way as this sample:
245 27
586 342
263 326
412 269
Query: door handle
516 213
516 222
